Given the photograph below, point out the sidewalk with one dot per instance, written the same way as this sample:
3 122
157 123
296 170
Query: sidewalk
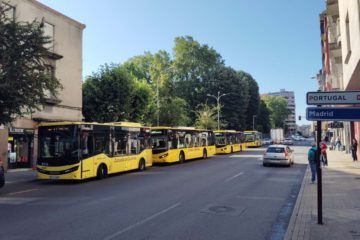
341 203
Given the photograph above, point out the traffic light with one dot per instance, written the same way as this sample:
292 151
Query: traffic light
299 118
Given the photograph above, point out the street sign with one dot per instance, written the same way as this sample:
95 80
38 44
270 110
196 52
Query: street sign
332 114
333 98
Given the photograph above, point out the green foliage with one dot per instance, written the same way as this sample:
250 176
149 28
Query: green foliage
108 95
174 112
193 64
25 81
178 85
278 110
253 100
263 117
206 117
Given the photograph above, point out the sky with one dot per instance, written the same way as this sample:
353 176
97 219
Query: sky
276 41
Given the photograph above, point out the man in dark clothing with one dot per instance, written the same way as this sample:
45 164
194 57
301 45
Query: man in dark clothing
354 146
312 162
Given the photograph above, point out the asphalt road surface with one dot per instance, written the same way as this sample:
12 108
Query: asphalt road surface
223 197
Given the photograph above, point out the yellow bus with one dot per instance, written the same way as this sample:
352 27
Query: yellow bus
178 144
79 150
229 141
252 138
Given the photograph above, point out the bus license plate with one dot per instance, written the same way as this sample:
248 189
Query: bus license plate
54 177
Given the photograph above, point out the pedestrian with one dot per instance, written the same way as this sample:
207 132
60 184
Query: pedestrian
354 146
332 143
312 162
338 143
323 155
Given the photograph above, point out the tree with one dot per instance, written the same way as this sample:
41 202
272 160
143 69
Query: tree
252 108
278 110
108 95
25 79
227 81
206 117
264 124
174 112
193 64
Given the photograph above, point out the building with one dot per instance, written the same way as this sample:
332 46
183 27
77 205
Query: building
289 96
340 41
18 143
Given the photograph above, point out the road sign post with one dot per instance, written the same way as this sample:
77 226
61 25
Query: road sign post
320 114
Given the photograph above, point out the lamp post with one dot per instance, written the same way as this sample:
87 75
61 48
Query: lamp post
218 105
254 116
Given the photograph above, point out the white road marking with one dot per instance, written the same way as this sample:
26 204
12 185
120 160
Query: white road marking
235 176
245 156
142 222
25 191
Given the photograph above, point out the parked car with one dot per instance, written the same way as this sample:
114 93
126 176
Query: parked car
267 141
2 175
288 141
278 154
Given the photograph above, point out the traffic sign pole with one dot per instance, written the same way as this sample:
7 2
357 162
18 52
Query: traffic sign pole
319 173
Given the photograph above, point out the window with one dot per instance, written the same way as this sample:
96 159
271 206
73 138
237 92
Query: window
9 11
128 142
49 32
102 140
348 40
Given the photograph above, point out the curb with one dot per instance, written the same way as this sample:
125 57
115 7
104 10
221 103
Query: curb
19 170
295 213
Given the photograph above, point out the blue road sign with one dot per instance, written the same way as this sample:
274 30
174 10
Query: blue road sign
332 114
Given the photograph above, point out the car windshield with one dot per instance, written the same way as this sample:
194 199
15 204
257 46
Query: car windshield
275 150
58 145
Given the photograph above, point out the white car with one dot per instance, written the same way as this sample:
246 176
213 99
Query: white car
288 141
279 155
267 141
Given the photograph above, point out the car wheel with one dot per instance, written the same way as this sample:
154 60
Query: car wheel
2 177
265 164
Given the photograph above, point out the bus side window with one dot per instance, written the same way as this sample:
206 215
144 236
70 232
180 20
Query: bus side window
86 144
102 140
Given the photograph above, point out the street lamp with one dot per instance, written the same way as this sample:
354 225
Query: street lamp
218 105
254 116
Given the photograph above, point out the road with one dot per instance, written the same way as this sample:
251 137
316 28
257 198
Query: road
223 197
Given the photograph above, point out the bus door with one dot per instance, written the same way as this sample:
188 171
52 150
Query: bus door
87 150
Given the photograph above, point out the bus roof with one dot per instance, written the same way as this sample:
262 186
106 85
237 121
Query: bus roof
123 124
225 131
177 128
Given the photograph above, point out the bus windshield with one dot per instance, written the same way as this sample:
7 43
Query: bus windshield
249 137
58 145
220 139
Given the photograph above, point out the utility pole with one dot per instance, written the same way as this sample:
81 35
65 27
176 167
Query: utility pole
254 116
218 105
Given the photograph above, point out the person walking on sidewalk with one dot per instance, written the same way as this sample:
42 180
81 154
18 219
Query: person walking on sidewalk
338 143
354 146
312 162
323 155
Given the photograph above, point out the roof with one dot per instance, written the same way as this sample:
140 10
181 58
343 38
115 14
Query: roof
225 131
122 124
177 128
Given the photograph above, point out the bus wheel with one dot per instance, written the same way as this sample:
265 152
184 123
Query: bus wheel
142 165
204 154
101 172
181 157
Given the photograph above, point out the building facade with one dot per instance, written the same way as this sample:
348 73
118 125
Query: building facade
18 141
289 96
340 41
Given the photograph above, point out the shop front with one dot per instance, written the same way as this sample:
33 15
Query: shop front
20 148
